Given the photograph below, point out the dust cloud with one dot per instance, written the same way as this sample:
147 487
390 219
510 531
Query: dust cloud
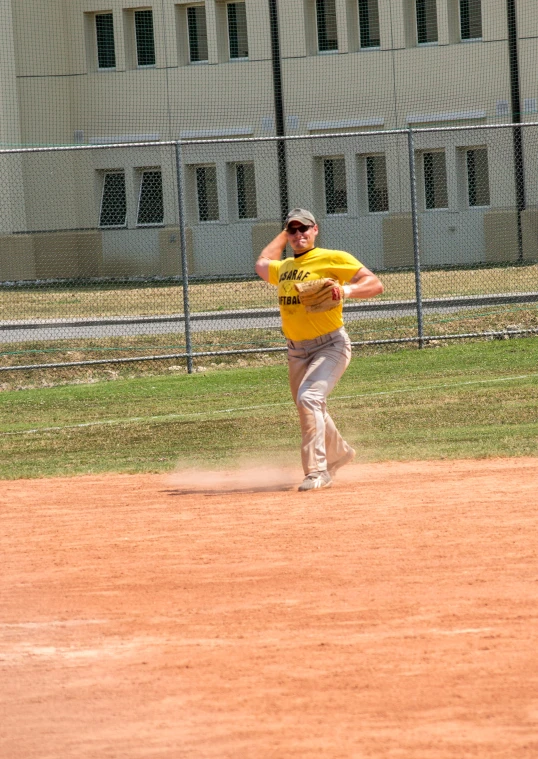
245 476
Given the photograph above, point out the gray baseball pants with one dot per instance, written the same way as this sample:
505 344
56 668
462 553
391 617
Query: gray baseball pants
315 366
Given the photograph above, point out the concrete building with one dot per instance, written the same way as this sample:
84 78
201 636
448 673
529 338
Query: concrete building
89 73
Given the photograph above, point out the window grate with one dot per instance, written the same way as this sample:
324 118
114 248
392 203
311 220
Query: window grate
478 177
326 23
196 23
369 23
237 30
145 41
471 19
104 30
113 201
426 12
376 179
334 170
246 191
150 201
435 180
207 194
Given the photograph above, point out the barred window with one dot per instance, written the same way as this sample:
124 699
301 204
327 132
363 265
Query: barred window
435 181
477 177
326 25
237 30
150 199
334 171
196 23
246 191
376 180
145 41
369 23
471 19
426 11
113 211
104 30
206 192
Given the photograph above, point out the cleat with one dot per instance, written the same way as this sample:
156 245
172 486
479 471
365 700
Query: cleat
347 458
316 481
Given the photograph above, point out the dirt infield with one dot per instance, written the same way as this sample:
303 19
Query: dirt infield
393 616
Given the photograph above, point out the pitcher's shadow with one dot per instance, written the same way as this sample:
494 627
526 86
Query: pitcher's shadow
229 491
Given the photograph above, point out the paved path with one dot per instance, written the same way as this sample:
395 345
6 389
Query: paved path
45 330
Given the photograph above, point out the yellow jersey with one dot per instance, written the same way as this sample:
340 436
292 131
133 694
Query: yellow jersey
297 323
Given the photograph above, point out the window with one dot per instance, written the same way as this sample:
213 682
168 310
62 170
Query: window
435 184
369 23
246 191
426 13
326 24
206 193
477 177
376 182
197 29
113 200
470 19
104 30
145 42
334 172
237 30
150 199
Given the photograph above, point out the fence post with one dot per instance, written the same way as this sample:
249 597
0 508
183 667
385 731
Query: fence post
416 243
279 108
184 261
517 136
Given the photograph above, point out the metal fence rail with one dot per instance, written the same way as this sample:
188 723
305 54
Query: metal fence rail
114 254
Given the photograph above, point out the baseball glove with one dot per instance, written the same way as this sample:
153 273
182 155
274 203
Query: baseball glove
318 295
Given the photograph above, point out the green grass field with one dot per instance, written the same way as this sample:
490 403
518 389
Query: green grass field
459 400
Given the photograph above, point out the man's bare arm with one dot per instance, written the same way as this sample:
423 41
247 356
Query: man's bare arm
271 252
363 284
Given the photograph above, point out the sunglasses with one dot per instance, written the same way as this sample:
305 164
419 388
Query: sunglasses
302 228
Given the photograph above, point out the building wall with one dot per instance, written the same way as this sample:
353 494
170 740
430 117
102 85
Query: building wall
60 88
56 95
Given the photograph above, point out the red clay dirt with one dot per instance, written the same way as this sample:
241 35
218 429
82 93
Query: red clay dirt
393 616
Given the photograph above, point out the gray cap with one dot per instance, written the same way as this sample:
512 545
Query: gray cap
300 214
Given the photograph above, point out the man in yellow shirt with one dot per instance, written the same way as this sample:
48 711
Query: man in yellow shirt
319 349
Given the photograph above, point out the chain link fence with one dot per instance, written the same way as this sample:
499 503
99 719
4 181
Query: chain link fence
124 253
